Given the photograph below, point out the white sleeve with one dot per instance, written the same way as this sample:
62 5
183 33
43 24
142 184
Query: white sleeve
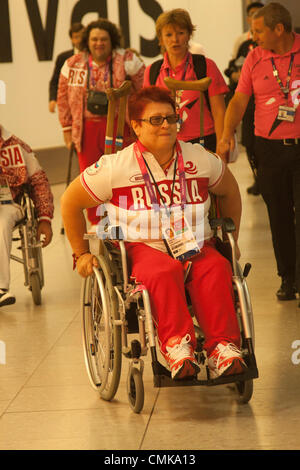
65 69
31 162
133 65
217 168
96 179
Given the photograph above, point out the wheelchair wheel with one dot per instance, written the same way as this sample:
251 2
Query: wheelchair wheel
245 391
135 389
245 388
35 287
101 336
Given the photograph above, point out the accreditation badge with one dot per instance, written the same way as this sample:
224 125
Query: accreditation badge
5 193
286 113
179 236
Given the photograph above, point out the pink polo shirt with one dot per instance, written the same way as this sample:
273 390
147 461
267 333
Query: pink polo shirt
257 77
189 106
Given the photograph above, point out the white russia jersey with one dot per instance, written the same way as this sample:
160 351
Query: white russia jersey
116 180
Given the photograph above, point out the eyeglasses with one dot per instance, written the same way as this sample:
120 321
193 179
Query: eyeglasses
158 120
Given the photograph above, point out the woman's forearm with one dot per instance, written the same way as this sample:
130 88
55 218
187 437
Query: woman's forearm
75 227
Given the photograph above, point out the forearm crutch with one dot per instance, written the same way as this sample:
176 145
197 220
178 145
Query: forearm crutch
114 94
71 153
199 85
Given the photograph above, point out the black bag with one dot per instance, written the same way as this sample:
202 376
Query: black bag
97 102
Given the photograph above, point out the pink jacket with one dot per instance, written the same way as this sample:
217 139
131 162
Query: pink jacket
19 166
72 89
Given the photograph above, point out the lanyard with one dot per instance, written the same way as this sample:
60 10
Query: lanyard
138 149
108 68
185 68
284 89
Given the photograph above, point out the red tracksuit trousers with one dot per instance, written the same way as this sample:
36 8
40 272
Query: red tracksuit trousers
209 285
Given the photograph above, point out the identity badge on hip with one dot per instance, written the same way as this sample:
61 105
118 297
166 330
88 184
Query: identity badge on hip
179 237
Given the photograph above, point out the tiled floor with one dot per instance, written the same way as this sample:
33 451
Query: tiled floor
46 401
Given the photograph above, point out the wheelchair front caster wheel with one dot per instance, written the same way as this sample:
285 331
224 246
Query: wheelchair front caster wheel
245 391
135 389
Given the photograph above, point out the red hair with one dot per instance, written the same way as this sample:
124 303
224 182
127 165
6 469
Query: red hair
139 100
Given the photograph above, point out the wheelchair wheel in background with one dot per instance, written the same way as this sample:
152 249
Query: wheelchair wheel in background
101 336
35 287
32 252
245 388
36 278
135 389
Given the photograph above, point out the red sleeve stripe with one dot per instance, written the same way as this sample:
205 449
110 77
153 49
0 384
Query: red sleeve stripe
220 177
84 184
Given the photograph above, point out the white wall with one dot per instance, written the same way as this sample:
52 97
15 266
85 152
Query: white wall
26 110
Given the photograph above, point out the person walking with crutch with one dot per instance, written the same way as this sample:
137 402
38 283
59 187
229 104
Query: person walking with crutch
82 99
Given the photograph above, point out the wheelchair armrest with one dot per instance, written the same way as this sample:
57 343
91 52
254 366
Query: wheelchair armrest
115 232
226 223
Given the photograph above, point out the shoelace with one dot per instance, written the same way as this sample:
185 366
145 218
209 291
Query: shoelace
180 350
230 347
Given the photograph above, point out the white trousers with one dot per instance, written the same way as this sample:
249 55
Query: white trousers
9 215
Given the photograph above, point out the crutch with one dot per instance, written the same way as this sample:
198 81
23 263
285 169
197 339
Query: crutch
114 94
199 85
71 154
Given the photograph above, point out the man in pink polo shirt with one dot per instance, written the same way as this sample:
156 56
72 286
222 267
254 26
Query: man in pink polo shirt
272 72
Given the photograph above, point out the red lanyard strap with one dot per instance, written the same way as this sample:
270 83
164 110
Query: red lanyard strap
146 170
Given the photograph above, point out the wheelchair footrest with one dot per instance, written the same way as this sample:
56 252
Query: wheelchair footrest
162 378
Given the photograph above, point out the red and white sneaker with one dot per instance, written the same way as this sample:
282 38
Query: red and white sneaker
180 357
226 359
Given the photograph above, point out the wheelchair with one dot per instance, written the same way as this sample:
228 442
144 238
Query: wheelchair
30 247
113 307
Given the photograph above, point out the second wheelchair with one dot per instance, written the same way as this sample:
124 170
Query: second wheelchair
25 232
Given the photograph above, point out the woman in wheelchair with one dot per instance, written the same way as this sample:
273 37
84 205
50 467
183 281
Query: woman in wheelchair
153 187
19 167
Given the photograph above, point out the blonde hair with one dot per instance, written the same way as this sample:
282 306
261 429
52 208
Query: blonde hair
178 17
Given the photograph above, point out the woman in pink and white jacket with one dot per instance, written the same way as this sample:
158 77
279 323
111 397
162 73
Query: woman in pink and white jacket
19 166
102 64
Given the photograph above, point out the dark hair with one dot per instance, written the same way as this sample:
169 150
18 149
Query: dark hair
75 28
253 5
274 14
102 23
139 100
